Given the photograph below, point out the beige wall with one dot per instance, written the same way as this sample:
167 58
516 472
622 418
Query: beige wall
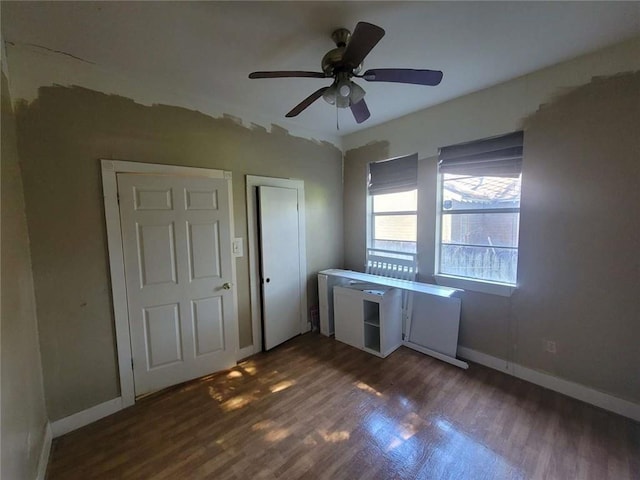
578 267
578 274
24 418
62 135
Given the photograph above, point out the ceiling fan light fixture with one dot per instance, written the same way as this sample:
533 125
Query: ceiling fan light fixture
342 102
329 94
357 93
340 93
343 90
343 94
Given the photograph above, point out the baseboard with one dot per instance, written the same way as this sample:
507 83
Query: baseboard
571 389
484 359
43 461
85 417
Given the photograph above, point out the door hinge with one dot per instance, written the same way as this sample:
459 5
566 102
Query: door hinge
131 363
118 198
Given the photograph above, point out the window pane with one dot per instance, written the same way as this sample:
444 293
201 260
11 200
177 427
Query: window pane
490 229
460 192
406 247
395 227
485 263
396 202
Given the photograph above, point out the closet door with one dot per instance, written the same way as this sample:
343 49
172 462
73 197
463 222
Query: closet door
279 264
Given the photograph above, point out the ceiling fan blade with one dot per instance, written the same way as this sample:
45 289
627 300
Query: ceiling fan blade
306 102
364 38
404 75
287 74
360 111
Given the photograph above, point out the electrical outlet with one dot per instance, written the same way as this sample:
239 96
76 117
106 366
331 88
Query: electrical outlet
550 346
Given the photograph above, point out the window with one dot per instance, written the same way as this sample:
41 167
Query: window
479 227
394 221
480 209
393 204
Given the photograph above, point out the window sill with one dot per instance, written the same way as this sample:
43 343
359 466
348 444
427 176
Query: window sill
482 286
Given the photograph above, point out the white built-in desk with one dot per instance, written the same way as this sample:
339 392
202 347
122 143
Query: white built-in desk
432 318
369 319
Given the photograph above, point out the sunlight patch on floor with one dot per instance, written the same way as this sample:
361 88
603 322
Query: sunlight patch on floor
452 451
222 393
262 425
334 437
236 402
277 434
213 393
249 367
409 427
278 387
309 440
367 388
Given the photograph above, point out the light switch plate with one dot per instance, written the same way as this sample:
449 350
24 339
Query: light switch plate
237 248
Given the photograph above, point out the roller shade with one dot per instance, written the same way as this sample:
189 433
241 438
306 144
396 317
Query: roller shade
394 175
496 156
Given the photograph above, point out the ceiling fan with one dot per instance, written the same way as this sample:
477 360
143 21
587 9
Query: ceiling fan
343 63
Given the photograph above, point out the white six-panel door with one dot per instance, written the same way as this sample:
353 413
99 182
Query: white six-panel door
177 252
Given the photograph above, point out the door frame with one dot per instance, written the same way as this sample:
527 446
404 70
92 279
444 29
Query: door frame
254 181
110 169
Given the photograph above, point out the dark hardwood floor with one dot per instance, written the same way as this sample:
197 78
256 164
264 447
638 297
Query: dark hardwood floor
315 408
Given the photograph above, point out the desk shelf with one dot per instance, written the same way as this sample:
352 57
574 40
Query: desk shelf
371 311
372 337
372 322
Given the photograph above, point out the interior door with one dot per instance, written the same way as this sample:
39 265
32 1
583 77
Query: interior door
177 250
279 264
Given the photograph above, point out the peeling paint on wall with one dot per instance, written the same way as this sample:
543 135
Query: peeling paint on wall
61 136
35 66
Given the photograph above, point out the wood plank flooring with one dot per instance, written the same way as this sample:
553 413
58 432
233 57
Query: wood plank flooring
314 408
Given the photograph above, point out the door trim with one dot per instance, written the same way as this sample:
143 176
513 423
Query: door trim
254 181
110 169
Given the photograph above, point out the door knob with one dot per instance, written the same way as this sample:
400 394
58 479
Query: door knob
227 285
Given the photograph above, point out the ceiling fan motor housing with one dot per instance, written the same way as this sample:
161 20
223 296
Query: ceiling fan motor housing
331 59
341 37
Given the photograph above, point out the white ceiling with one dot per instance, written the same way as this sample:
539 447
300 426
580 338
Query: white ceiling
208 48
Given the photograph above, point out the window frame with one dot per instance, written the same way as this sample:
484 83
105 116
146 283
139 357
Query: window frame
467 283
